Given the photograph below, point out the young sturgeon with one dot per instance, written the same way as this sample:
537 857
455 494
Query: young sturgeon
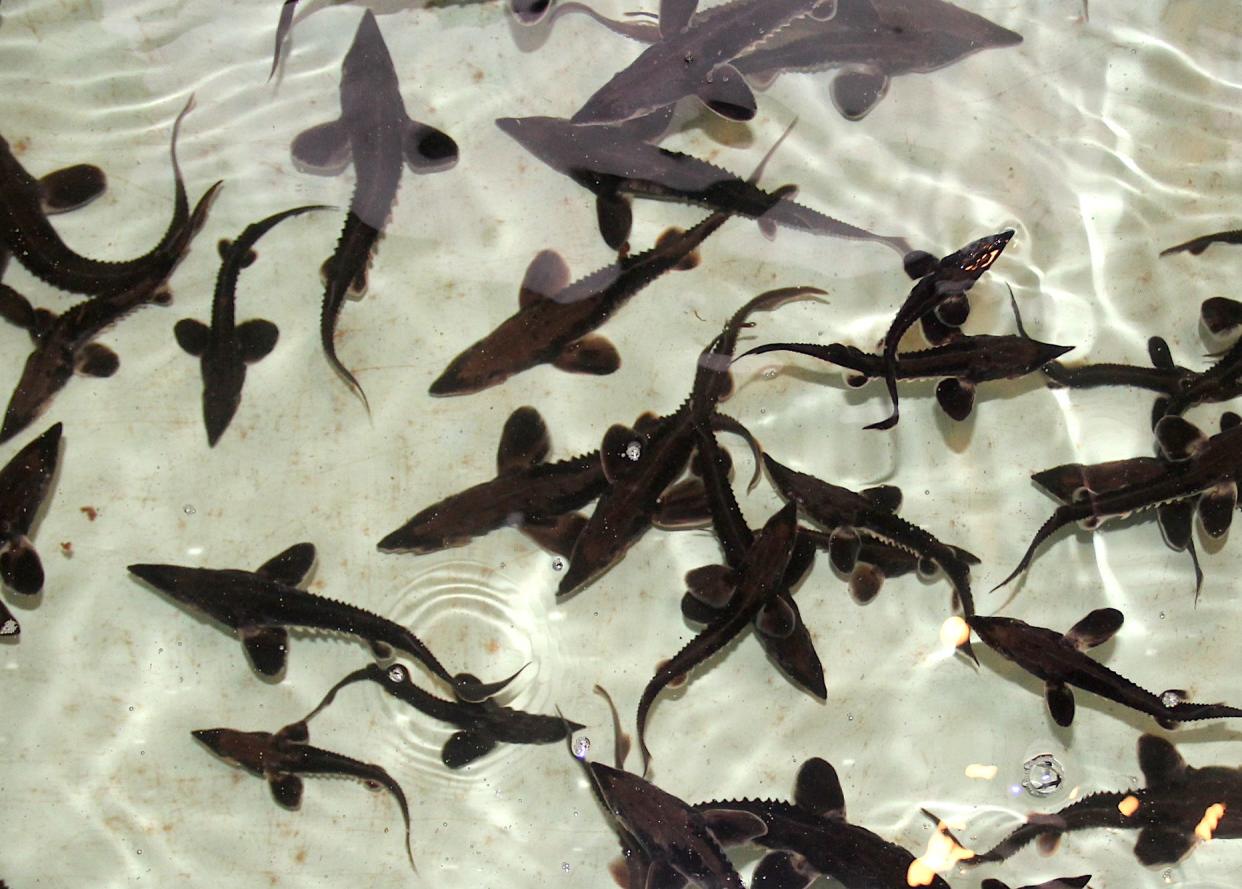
815 829
1195 246
283 758
851 516
377 136
943 291
261 606
25 230
225 348
1197 473
481 726
616 166
24 484
1061 661
642 464
1060 883
693 58
1179 805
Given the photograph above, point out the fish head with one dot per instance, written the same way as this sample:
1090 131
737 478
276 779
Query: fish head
249 750
959 270
1006 357
46 372
223 378
368 77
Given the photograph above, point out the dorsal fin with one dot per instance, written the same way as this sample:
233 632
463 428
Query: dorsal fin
546 275
818 789
291 566
1095 629
1162 765
524 441
1158 352
1179 439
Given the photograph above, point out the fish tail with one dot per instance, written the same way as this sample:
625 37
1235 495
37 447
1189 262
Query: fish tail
1037 825
1063 516
327 332
890 382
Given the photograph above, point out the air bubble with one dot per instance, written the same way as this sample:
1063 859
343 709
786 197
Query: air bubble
582 747
189 509
397 673
1044 775
565 866
769 373
633 451
1162 615
1170 698
558 564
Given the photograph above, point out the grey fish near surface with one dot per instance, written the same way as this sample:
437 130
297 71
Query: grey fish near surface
378 137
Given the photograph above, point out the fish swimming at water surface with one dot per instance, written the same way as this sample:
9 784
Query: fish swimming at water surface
26 233
225 348
25 482
1061 661
693 58
1179 805
283 758
480 726
1195 246
378 137
1194 474
616 166
261 606
1059 883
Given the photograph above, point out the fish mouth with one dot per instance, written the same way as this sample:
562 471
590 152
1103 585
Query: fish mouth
1051 352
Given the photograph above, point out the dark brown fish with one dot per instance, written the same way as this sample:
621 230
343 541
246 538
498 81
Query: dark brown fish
1195 246
225 348
1060 883
1177 800
24 485
283 758
375 134
1061 661
261 606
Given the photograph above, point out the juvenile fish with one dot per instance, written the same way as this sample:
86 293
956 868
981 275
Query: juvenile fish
24 485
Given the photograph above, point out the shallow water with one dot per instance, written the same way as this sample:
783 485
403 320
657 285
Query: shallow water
1100 142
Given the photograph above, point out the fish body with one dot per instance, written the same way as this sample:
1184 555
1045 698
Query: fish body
1166 812
814 827
872 513
540 498
960 364
480 726
24 485
283 758
1195 246
1061 661
261 606
693 58
378 137
225 348
616 166
27 234
555 320
945 284
756 589
1060 883
1197 474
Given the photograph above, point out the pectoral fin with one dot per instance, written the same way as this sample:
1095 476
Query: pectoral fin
782 870
1060 702
1158 352
1179 439
20 567
524 441
615 217
865 582
257 338
818 789
954 310
1216 507
71 188
592 354
16 309
323 150
286 790
291 566
855 93
776 619
662 875
267 648
956 397
684 505
558 536
724 91
734 827
97 360
192 336
844 545
1220 314
936 331
1095 629
1176 523
463 748
712 585
1160 762
672 234
428 150
1162 845
547 274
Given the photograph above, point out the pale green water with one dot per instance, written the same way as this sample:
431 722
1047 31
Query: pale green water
1100 142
